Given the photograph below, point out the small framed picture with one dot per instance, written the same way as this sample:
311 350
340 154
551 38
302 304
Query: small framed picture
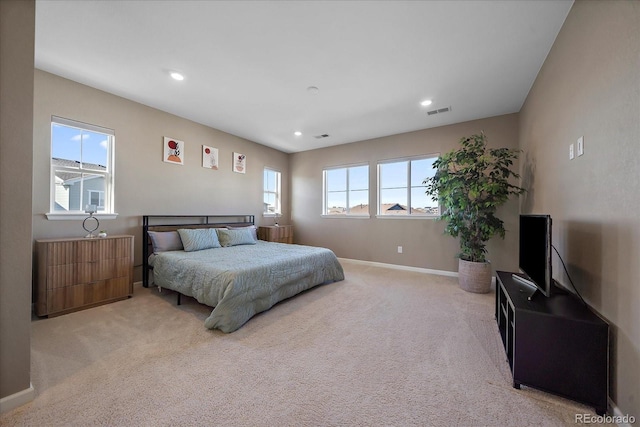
209 157
173 151
239 163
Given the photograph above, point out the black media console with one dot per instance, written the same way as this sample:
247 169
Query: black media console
554 344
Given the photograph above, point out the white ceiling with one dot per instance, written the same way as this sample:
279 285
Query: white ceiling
248 64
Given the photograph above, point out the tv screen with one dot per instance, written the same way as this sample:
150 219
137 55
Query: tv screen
535 251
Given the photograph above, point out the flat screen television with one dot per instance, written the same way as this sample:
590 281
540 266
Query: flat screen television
534 258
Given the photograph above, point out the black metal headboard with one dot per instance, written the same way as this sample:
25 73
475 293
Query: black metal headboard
174 222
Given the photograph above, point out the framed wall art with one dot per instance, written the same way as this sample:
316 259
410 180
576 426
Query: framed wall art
209 157
173 151
239 163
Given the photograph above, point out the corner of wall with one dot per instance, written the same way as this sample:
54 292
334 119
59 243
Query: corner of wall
17 399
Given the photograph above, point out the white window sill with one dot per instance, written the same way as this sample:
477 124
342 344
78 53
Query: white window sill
56 216
347 216
270 215
407 216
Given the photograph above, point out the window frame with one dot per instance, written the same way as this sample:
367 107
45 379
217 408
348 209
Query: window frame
325 192
409 187
108 174
277 193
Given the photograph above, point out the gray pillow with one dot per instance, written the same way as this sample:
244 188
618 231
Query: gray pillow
196 239
234 237
164 241
253 228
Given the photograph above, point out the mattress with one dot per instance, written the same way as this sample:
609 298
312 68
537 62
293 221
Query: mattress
241 281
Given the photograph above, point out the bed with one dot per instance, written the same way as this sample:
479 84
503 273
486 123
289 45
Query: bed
219 261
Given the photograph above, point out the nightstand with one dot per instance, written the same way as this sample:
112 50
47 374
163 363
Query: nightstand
276 233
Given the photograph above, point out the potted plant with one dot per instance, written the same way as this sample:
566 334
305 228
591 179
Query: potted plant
471 183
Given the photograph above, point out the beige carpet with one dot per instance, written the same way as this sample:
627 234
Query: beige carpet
382 348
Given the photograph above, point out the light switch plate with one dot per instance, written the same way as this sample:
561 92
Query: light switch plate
581 146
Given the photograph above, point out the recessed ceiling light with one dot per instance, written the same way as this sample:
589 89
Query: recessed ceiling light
176 76
426 102
297 133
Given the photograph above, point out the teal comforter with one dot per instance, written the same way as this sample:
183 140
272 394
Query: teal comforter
241 281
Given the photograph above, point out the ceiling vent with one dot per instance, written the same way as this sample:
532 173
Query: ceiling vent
324 135
438 111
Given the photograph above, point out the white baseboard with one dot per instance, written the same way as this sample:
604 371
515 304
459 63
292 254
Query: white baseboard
17 399
618 417
401 267
408 268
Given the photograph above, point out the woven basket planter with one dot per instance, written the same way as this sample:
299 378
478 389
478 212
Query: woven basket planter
474 276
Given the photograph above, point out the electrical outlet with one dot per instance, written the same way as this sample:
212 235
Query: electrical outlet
581 146
399 249
571 156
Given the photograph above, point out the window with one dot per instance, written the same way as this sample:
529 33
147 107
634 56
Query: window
81 167
346 190
272 192
401 191
96 198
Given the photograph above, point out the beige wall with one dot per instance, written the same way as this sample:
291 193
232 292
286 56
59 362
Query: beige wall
17 31
590 86
144 183
424 244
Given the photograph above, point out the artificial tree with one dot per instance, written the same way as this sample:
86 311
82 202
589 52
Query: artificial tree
470 184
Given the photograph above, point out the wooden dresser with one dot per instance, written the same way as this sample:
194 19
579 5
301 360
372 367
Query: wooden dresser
276 233
78 273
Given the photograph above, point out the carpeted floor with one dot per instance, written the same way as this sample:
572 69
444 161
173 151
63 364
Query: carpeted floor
382 348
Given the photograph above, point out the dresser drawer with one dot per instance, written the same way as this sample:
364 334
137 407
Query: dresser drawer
79 273
86 295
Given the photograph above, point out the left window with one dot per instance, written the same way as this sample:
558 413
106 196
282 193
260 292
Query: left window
346 191
81 167
272 188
